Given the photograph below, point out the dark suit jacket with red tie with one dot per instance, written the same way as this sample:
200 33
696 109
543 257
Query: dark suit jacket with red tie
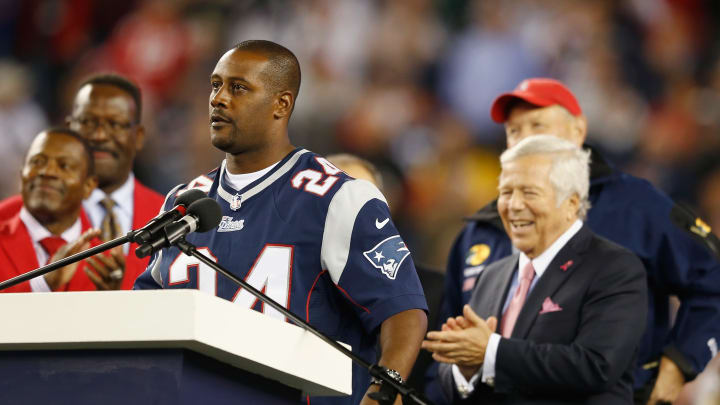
146 206
581 354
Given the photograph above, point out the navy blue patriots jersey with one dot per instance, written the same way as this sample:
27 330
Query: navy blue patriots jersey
313 239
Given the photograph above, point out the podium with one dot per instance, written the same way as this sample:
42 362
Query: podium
157 347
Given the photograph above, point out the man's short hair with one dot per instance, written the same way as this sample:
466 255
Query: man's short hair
86 145
569 171
283 72
121 82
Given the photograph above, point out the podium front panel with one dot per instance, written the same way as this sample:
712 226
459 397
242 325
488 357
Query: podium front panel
137 377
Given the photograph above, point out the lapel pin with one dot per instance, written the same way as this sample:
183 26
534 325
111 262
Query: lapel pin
567 265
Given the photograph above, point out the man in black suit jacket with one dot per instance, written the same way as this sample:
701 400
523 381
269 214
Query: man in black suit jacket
572 305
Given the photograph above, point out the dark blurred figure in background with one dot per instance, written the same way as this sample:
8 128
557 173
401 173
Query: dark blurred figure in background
107 111
20 118
626 210
49 224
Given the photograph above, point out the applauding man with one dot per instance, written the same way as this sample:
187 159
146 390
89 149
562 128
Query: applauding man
561 320
49 224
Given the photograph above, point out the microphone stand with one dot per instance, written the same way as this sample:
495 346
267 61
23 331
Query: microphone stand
375 370
130 237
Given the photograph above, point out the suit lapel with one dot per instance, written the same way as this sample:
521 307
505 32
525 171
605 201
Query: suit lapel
488 300
559 271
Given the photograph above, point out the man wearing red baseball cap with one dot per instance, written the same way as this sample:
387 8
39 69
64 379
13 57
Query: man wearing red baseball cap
628 211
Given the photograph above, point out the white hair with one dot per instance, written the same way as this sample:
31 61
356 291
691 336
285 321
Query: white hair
569 170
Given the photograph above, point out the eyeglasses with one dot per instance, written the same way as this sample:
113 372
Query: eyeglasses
88 123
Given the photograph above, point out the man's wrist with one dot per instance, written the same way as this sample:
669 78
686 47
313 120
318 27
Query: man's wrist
469 371
392 374
679 360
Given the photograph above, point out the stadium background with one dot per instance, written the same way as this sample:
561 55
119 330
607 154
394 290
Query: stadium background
405 83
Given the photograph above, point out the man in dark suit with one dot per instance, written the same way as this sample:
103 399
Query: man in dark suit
570 304
626 210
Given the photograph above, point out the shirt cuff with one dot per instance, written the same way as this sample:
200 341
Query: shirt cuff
464 387
488 368
38 284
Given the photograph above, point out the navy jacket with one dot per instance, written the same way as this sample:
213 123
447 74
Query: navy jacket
632 213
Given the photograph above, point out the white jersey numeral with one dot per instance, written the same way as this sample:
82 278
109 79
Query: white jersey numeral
179 272
317 183
271 273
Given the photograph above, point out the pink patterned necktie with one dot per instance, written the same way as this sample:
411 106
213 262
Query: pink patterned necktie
516 303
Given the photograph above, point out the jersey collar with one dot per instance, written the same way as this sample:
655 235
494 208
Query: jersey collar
236 197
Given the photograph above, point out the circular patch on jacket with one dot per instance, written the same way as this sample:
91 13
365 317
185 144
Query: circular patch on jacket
477 254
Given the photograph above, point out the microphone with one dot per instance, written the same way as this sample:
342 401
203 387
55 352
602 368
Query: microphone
147 233
202 216
684 218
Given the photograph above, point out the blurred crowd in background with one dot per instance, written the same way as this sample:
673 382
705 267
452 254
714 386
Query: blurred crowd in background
406 84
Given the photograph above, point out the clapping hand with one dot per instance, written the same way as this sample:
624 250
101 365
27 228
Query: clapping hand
107 271
462 340
58 278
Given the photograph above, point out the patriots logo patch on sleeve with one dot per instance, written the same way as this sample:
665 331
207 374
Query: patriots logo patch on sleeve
388 255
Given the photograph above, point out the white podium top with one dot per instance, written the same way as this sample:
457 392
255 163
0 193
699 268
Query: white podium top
175 319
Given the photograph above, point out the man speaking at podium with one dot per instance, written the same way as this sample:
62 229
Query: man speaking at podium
295 226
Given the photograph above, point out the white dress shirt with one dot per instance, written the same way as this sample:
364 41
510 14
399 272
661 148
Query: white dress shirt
540 264
123 209
37 233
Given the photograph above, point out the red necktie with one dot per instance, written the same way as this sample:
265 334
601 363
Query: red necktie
51 244
516 303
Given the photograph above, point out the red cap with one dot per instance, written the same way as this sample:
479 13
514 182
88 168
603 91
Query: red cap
541 92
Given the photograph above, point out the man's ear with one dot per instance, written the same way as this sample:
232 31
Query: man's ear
579 129
573 206
284 105
139 137
91 182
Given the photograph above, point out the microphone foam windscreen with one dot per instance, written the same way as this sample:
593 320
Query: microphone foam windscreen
190 196
208 213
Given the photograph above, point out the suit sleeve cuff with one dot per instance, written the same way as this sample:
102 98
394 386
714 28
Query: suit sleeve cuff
488 368
38 284
681 361
464 387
